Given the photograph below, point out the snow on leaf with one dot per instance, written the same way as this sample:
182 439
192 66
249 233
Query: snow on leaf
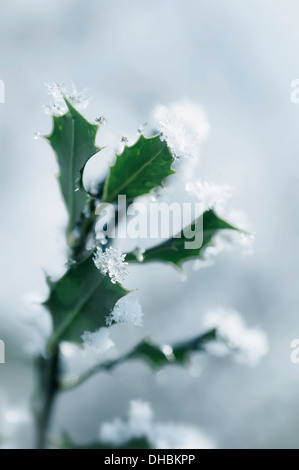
210 194
80 301
248 345
126 311
76 360
111 262
140 424
73 141
78 99
174 250
184 127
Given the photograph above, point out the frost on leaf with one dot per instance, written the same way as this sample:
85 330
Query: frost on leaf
80 301
215 196
126 311
239 241
243 240
212 195
101 120
183 125
57 91
76 360
140 424
99 341
249 345
111 262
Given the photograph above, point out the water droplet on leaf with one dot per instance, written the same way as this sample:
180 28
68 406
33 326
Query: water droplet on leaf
140 254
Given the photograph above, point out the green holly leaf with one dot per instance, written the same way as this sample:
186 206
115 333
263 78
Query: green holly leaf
136 443
73 141
155 355
175 251
141 443
139 169
160 355
80 301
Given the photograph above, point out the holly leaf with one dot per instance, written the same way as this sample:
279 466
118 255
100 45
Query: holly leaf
160 355
135 443
80 301
73 141
177 250
156 355
139 169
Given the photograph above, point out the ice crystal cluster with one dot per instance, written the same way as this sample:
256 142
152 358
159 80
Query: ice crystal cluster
127 311
183 125
249 345
111 262
210 194
214 196
76 360
140 424
79 99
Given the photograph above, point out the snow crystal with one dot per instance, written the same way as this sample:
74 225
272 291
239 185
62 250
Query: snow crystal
101 120
229 240
183 125
111 262
161 436
210 194
78 99
248 344
138 424
76 360
142 128
225 240
98 341
37 135
127 311
171 436
115 432
202 264
140 411
243 240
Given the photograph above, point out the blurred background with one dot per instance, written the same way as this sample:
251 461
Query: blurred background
237 60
